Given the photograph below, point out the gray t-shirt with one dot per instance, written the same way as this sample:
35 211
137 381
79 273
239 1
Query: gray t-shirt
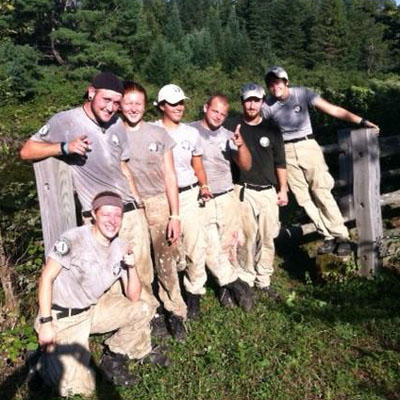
292 116
218 149
188 144
100 169
88 267
147 147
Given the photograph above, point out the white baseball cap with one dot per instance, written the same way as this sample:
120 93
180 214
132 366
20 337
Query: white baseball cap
252 90
171 93
278 72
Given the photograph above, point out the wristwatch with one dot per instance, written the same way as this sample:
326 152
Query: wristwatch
45 320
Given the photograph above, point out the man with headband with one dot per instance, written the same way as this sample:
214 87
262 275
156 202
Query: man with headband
96 156
75 300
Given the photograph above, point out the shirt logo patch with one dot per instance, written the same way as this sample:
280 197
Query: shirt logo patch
44 130
116 269
62 247
153 147
222 146
297 109
185 144
115 140
264 141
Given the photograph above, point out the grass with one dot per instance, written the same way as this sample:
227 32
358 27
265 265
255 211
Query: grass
333 341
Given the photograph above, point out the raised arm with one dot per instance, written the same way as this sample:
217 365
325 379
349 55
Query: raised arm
243 157
132 285
341 113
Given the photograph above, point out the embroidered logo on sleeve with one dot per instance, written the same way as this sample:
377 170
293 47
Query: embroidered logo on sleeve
62 247
116 269
264 141
44 130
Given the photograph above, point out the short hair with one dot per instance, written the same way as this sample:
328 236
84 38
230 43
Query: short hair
133 86
223 97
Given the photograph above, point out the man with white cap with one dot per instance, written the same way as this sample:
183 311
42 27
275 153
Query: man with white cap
75 301
308 174
84 138
261 189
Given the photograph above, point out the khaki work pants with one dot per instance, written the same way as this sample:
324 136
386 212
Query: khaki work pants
193 242
311 183
260 221
157 214
221 217
134 230
66 367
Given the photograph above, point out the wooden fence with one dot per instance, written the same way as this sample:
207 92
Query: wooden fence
359 179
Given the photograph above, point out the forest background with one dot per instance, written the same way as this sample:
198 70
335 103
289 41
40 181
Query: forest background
347 50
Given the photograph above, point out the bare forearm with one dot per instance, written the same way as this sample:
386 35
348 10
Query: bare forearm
130 179
133 285
281 176
33 151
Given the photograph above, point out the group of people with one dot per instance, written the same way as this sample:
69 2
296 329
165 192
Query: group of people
162 197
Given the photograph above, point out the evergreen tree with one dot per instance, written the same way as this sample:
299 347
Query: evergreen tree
173 29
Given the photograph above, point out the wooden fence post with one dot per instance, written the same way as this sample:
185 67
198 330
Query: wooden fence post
56 199
346 201
366 192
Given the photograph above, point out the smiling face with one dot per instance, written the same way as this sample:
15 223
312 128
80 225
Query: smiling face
172 113
215 113
133 106
108 220
104 104
252 108
279 88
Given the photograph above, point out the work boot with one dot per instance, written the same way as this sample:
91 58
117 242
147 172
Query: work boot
158 325
271 292
343 247
115 369
242 293
328 247
156 357
177 327
225 298
193 306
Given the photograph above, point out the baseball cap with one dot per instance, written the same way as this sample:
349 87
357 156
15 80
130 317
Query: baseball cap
108 80
252 90
171 93
279 72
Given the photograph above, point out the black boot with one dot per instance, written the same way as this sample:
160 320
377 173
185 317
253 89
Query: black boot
177 327
193 306
158 324
156 357
225 298
242 293
328 247
343 247
115 369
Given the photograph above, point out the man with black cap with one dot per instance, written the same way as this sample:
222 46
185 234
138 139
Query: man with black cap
261 189
307 172
75 300
96 154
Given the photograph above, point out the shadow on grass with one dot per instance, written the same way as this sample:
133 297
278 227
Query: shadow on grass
26 382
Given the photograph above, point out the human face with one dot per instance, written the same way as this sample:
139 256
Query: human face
104 105
215 114
108 220
133 106
173 112
279 88
252 108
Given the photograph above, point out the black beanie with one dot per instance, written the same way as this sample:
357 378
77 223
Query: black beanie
108 80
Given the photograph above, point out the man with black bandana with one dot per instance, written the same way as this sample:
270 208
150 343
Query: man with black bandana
261 189
97 156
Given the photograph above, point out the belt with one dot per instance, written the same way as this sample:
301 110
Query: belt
67 312
221 193
258 188
307 137
134 205
188 187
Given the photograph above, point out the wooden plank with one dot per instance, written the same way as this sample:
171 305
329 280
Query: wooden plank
346 201
56 199
366 194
